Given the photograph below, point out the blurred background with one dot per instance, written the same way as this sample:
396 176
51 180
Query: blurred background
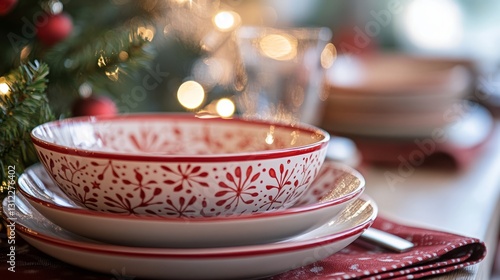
191 40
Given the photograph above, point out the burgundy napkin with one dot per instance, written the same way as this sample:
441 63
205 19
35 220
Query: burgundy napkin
435 253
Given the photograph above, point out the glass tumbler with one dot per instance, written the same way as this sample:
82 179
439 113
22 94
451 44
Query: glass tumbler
284 70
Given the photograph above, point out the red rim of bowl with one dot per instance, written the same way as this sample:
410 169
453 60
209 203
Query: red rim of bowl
322 142
24 183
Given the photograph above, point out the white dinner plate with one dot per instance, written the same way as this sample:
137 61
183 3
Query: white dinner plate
250 261
334 188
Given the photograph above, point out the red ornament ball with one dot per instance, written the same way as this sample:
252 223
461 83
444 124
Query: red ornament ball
6 6
55 29
94 106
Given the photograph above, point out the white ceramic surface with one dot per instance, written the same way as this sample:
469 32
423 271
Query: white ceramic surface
335 187
210 263
180 165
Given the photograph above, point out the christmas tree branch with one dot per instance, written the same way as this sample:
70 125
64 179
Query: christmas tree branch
22 108
106 59
85 57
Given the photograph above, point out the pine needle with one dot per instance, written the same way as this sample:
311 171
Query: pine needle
22 108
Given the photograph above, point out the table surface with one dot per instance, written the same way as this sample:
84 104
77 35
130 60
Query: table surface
458 201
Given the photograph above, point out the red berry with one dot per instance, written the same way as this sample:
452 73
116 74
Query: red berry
94 106
6 6
55 29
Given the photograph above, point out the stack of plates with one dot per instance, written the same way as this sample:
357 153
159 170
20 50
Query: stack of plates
398 108
327 218
395 95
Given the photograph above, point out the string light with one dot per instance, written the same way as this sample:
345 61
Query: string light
4 87
190 94
225 107
4 90
225 20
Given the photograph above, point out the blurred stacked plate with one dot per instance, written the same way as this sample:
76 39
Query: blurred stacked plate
394 95
399 108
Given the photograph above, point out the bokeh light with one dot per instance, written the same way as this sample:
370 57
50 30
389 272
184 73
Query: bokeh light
146 32
182 1
4 87
190 94
123 55
279 46
270 136
85 90
328 55
225 20
55 7
25 52
225 107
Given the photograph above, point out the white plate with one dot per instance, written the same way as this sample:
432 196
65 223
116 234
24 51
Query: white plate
209 263
335 187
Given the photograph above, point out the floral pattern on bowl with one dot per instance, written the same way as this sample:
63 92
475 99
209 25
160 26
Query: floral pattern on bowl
169 165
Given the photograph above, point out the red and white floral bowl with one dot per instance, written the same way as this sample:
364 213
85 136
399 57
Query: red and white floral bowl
180 165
